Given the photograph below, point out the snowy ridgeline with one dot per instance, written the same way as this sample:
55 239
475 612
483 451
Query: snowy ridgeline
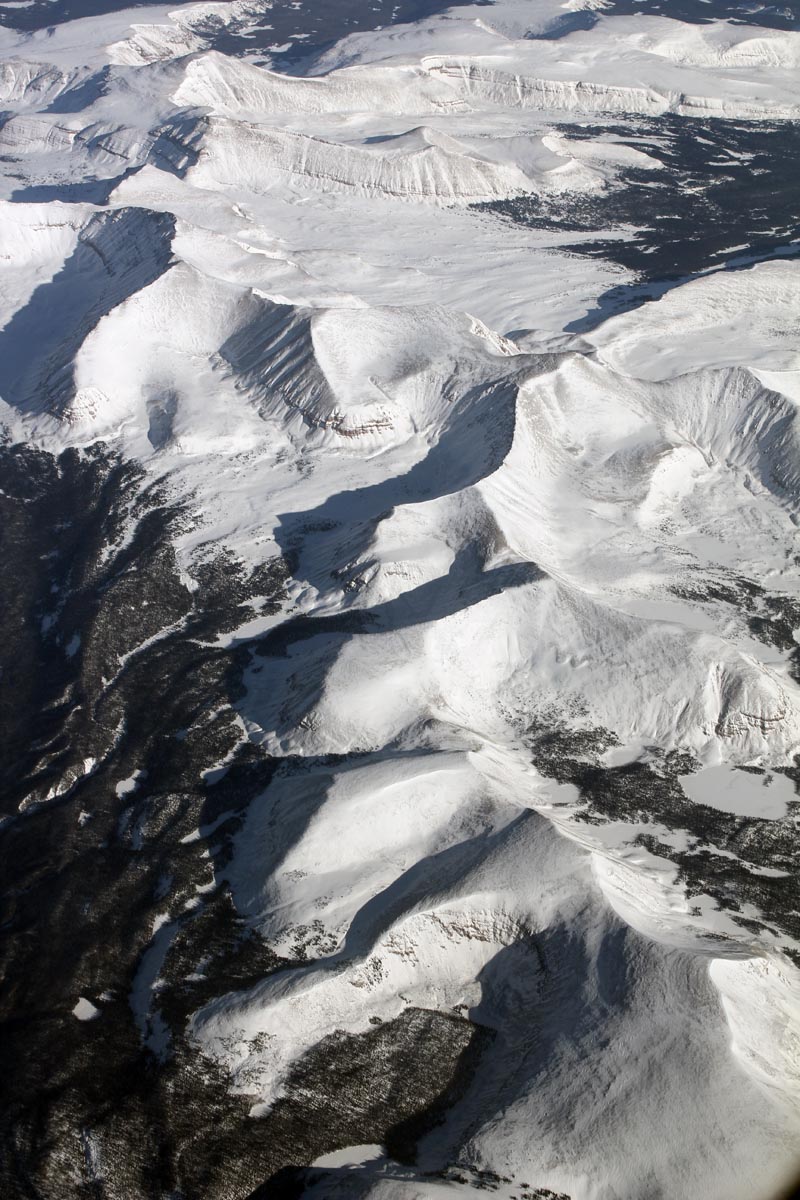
536 657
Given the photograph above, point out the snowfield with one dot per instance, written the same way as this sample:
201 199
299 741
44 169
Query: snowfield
536 663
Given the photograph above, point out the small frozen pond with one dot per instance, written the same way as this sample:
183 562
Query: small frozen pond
741 792
350 1156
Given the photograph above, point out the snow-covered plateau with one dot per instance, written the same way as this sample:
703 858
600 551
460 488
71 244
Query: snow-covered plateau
401 635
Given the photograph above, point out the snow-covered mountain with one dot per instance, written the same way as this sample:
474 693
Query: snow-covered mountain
400 469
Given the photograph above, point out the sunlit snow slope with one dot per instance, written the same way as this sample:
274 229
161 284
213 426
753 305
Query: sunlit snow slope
494 579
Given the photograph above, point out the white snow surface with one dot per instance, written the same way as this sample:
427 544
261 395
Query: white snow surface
287 310
84 1010
751 795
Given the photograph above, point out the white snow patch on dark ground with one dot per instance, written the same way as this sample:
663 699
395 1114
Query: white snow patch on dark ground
84 1010
733 791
